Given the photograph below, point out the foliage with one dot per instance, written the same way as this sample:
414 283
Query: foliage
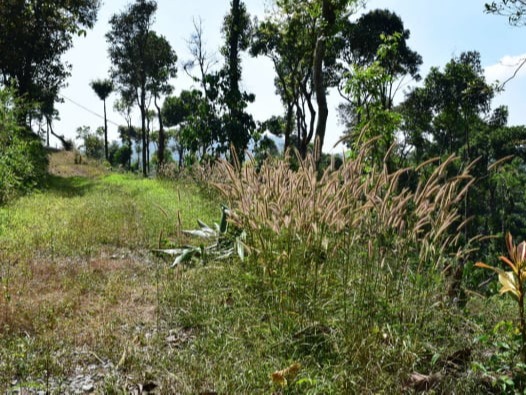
371 112
236 122
103 89
514 281
92 142
35 34
142 61
515 10
445 112
451 113
197 124
23 160
225 244
375 58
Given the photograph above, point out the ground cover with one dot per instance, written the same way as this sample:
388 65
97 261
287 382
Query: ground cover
86 307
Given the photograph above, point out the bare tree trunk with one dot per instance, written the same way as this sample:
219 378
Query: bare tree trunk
105 132
160 151
288 125
321 98
142 104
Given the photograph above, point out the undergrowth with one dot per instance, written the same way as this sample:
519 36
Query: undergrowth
344 289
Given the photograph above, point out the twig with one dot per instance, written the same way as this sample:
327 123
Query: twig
523 61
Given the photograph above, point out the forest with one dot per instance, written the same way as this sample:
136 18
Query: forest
207 252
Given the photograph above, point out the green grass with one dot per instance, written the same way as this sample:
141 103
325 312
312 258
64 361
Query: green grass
80 216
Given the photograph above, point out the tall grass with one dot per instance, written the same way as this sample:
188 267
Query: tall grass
350 250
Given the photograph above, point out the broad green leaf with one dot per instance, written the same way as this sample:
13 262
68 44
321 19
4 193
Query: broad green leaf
508 281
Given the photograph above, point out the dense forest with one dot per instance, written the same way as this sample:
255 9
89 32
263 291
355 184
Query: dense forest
372 243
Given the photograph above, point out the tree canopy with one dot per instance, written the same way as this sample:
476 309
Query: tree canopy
142 61
34 36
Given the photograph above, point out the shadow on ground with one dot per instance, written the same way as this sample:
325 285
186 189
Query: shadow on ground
68 186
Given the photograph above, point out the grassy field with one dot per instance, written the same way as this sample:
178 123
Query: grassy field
84 304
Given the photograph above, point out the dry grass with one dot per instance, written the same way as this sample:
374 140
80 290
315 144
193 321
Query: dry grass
363 201
72 164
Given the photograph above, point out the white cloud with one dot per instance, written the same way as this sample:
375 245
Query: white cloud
505 69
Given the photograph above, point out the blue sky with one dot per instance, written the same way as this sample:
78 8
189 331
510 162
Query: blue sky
440 30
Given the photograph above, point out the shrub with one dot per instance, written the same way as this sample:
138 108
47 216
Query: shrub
23 159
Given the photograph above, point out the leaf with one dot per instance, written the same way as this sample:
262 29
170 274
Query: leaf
484 266
281 377
172 251
186 256
509 263
224 220
202 224
240 249
509 283
206 233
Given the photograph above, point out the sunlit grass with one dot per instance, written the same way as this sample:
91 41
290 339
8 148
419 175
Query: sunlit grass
79 288
79 216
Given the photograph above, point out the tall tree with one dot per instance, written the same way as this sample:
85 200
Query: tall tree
515 10
282 42
360 45
237 123
128 50
34 35
300 39
374 60
103 89
163 67
451 103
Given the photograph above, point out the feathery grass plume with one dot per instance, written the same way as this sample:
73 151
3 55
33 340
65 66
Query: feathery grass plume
394 240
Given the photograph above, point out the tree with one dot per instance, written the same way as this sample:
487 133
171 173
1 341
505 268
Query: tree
128 41
281 43
377 37
163 67
189 113
103 88
300 39
451 114
237 123
34 36
128 134
92 143
515 10
440 115
201 59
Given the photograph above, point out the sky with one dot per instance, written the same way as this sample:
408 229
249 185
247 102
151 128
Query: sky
440 30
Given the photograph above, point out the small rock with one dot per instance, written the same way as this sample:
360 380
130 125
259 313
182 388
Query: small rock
88 387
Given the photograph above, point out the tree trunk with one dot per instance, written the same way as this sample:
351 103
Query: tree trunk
143 131
321 98
105 132
63 141
288 126
160 151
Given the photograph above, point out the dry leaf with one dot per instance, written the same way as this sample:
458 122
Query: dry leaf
282 377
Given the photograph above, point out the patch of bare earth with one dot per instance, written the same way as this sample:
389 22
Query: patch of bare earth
89 314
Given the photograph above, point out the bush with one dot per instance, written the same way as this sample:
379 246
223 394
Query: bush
23 159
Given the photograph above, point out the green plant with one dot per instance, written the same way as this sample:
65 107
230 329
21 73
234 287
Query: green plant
225 244
514 281
23 159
